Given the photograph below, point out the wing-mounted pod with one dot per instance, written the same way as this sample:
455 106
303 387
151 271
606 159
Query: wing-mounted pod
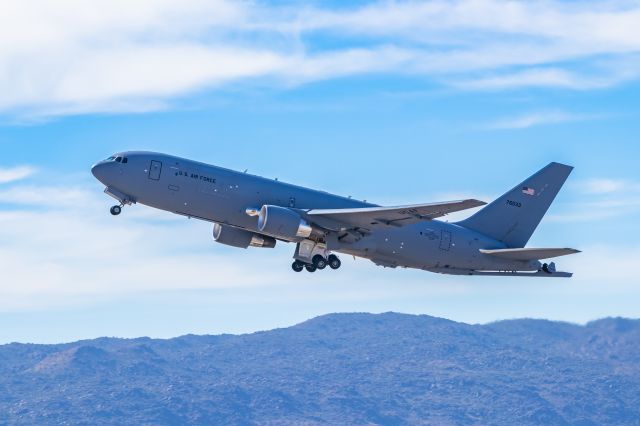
240 238
286 224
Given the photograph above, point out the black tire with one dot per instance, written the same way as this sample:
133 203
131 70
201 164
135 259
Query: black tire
310 268
116 210
334 262
319 262
297 266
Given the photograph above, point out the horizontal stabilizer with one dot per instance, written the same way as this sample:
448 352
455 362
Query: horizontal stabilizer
470 272
376 217
530 253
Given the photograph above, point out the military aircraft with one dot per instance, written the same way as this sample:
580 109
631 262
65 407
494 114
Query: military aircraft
252 211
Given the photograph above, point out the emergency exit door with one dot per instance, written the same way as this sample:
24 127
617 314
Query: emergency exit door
155 170
445 241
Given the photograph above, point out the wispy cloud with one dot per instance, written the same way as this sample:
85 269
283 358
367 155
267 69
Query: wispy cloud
71 57
542 78
75 253
72 254
536 119
65 250
12 174
605 198
607 186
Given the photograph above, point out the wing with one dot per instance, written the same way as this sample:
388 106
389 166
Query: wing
377 217
530 253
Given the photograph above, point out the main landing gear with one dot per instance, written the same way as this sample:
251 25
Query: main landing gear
549 268
318 263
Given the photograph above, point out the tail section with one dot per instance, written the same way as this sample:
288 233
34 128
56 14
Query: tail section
514 217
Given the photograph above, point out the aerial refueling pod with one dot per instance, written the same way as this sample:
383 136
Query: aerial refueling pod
240 238
283 223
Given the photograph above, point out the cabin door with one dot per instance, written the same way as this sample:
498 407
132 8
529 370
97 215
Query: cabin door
155 170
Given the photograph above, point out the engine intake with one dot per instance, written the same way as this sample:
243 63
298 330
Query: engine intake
283 223
240 238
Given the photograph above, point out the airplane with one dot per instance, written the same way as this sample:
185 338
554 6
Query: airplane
253 211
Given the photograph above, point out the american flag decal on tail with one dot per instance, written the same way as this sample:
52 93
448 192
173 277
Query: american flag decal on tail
528 191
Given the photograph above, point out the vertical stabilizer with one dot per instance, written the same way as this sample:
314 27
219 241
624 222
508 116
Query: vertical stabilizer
514 217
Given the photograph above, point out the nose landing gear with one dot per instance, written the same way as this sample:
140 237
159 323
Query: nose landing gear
121 197
116 210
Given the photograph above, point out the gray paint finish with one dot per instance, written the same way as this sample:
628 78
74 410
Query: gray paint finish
406 236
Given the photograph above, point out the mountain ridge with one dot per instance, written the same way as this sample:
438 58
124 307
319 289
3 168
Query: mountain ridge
356 368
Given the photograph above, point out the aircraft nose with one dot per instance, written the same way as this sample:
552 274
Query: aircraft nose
99 171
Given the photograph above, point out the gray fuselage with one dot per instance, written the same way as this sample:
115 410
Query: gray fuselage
219 195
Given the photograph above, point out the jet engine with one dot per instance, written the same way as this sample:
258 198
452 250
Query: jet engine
283 223
240 238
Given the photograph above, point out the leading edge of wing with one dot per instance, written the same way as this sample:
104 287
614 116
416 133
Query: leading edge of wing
397 215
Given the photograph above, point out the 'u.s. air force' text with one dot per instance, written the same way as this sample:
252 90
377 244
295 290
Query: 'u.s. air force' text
196 176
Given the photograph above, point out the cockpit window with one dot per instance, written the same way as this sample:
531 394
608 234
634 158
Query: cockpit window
117 159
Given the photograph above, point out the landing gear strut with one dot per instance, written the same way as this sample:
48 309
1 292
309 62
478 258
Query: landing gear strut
116 210
314 256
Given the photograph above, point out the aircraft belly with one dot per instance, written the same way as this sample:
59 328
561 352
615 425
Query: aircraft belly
438 244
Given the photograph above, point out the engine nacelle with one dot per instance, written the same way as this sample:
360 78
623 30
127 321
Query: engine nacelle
283 223
240 238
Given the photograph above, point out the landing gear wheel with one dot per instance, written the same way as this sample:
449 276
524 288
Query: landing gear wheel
319 262
116 210
545 268
297 266
310 267
334 262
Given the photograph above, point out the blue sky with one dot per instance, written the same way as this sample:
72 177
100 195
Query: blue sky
393 102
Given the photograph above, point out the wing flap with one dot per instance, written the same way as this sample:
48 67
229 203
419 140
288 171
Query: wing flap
530 253
374 217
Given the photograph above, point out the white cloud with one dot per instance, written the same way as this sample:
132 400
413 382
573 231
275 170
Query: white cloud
73 56
13 174
605 198
605 186
70 254
536 119
67 251
598 210
604 264
550 77
75 252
